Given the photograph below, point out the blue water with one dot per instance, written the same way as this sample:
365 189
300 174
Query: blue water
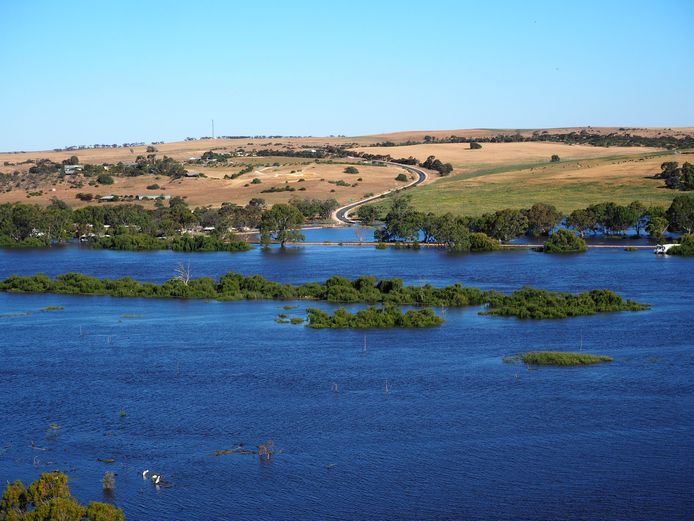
460 435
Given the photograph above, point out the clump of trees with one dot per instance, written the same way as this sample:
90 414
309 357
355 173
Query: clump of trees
432 163
677 177
564 241
49 498
529 303
373 317
150 165
313 209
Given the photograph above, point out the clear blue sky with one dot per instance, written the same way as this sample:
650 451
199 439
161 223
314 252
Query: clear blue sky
114 71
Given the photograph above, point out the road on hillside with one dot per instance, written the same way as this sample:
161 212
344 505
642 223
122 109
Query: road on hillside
342 214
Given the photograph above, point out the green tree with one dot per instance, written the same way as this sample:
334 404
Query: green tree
507 224
656 227
367 214
681 213
542 219
401 222
474 145
282 223
49 499
351 170
554 159
640 213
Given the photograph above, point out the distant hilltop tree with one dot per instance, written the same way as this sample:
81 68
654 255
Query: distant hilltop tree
474 145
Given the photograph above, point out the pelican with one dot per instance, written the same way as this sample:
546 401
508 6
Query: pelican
144 474
156 478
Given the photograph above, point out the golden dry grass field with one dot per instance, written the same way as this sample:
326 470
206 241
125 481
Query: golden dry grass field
314 180
491 155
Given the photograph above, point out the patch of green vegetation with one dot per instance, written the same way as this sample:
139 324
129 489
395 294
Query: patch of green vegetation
524 303
684 248
186 243
564 241
106 460
49 497
373 317
529 303
297 320
562 358
53 308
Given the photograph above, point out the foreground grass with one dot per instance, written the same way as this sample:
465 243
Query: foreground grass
562 358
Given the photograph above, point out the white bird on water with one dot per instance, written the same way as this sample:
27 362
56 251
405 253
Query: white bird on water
144 474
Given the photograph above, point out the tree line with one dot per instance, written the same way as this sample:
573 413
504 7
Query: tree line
131 226
403 223
583 137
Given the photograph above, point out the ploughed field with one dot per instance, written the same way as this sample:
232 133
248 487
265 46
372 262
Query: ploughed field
373 424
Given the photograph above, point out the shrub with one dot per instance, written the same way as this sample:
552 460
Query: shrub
351 170
554 159
153 187
401 177
685 246
104 179
474 145
564 241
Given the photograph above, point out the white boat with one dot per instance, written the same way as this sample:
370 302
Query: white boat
662 249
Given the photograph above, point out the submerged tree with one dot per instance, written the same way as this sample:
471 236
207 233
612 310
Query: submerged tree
282 223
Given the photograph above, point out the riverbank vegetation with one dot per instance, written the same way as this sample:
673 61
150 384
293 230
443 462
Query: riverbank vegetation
48 498
388 316
684 248
132 227
403 223
524 303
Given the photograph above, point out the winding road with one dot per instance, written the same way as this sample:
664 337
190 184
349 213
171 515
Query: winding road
342 214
